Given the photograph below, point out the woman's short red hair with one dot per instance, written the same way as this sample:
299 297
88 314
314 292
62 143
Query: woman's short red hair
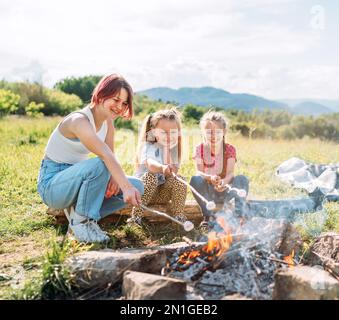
108 87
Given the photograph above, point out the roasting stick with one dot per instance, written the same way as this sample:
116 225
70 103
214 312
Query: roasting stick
240 192
210 205
187 225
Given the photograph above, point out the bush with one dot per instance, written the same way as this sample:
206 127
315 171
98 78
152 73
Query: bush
61 103
54 101
8 102
286 132
120 123
192 113
33 109
28 92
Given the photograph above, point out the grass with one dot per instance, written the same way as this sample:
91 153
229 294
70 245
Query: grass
26 231
54 280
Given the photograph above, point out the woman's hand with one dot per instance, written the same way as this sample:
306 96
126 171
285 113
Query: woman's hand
132 196
112 188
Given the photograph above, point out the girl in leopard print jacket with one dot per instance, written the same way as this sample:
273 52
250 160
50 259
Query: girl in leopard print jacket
158 157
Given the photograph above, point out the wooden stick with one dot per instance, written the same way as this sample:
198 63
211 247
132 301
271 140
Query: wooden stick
327 264
275 260
187 240
189 186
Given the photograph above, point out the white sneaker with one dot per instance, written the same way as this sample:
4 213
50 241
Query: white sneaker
99 232
83 229
73 217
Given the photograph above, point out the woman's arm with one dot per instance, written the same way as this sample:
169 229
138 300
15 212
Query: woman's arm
109 140
83 130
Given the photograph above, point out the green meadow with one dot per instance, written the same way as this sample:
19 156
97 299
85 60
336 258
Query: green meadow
26 232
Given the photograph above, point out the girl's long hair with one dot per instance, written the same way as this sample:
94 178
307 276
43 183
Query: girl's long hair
151 122
214 116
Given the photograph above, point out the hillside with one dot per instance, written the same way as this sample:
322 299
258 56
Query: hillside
311 108
209 96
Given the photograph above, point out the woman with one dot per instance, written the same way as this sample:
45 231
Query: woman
90 189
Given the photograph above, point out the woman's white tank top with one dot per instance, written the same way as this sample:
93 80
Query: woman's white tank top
65 150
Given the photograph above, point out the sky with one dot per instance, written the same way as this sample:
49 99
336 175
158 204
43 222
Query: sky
276 49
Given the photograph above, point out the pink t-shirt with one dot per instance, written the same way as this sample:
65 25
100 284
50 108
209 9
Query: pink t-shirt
212 163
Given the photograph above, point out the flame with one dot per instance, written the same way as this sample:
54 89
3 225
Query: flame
217 244
289 259
188 257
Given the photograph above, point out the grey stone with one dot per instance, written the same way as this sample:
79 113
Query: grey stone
102 268
145 286
305 283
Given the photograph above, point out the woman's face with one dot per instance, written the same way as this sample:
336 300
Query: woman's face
116 105
213 132
166 133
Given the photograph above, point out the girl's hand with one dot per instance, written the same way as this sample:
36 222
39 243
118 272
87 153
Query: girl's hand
220 187
132 196
215 180
174 168
167 170
112 188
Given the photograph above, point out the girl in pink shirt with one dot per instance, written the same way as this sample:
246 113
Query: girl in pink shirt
215 161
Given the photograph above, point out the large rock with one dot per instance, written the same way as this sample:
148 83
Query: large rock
145 286
106 267
305 283
325 251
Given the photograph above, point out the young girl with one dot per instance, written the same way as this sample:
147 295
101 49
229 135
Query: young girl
89 188
158 157
215 161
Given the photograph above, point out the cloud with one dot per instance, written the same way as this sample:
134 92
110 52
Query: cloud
271 81
33 72
249 45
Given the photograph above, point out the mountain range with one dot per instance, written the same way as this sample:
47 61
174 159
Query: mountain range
210 96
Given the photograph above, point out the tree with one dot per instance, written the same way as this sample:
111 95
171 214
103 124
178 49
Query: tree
192 113
81 86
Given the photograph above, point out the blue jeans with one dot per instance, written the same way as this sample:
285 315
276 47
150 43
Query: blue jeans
83 184
207 191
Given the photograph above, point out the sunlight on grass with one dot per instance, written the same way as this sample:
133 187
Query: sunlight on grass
22 213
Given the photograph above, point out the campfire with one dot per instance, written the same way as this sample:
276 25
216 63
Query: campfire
235 259
207 256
